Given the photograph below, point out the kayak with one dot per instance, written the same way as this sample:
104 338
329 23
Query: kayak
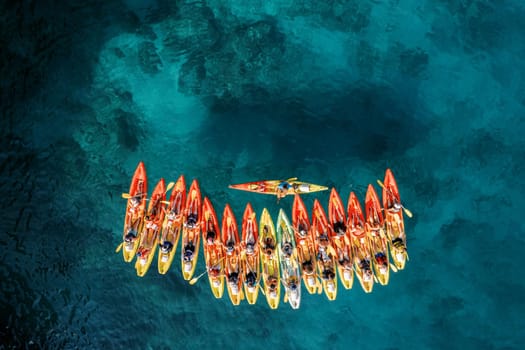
360 244
337 216
250 255
395 227
213 253
283 187
325 251
191 231
374 226
305 245
232 251
269 259
152 226
134 221
290 273
172 226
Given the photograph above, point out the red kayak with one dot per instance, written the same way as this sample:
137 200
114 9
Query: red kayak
360 243
375 227
305 245
326 255
395 227
152 225
134 220
191 231
337 216
232 250
213 253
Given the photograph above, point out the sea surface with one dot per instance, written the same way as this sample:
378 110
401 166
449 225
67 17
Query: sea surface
229 91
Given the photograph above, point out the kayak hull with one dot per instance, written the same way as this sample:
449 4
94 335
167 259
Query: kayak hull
250 260
172 226
271 187
213 253
290 273
305 245
269 260
395 227
191 230
233 265
360 243
150 235
326 265
377 237
337 217
138 186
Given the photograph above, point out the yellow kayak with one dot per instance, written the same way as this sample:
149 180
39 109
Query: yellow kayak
270 260
213 250
281 188
251 266
172 226
152 226
232 252
191 231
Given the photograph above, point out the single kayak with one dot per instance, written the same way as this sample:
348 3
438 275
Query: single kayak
337 216
281 188
250 255
325 251
360 244
375 224
269 259
395 227
152 226
172 226
213 250
232 251
290 273
191 231
305 245
136 206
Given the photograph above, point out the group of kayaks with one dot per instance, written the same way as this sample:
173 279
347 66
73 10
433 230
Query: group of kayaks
310 250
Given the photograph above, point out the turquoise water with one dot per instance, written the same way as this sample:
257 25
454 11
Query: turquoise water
232 91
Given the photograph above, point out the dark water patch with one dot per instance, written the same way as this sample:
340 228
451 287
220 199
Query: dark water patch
128 129
149 59
481 147
413 62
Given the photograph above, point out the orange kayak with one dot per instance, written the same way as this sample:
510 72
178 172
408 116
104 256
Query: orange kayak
395 227
360 243
232 250
134 221
152 226
337 216
283 187
376 234
305 245
191 231
213 253
324 250
250 255
172 226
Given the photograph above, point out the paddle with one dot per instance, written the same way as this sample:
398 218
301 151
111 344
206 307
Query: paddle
119 248
408 212
393 267
195 279
169 187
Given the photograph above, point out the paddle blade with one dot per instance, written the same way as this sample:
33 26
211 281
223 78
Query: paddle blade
126 195
291 179
194 280
170 186
375 279
119 248
408 212
319 287
393 267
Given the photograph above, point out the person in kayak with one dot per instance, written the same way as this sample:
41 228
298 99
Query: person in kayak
364 265
302 230
308 267
191 221
166 246
251 279
339 228
400 248
328 273
230 246
269 245
272 285
282 189
287 250
250 248
189 249
210 237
